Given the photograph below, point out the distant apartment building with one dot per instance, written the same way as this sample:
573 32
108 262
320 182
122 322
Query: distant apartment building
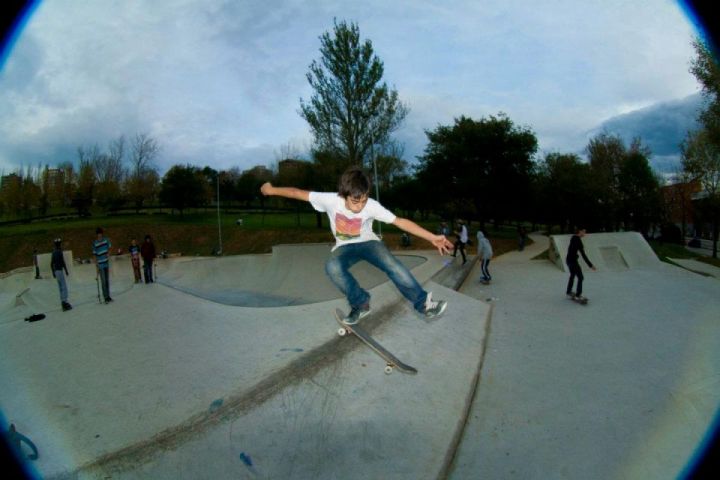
7 181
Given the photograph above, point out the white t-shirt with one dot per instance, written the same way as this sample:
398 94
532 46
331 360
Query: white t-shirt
346 226
463 234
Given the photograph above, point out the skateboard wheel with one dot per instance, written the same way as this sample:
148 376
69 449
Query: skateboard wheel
388 369
342 332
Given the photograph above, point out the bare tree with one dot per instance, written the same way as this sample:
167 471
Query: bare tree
144 151
143 181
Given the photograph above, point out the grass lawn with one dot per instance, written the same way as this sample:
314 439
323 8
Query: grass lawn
196 233
669 250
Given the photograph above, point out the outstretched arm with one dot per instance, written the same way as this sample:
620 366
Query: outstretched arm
587 260
268 190
442 244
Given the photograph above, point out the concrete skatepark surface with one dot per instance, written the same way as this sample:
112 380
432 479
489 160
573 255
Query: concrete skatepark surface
514 381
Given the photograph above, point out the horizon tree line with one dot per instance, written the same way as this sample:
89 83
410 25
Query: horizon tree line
487 170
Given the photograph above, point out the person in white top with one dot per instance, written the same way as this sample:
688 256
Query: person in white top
462 239
351 213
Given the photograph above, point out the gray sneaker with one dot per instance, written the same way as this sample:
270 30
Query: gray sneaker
356 314
434 309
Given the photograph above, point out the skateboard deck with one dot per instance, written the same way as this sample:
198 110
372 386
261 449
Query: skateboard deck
391 360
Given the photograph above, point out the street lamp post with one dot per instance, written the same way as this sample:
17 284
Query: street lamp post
377 188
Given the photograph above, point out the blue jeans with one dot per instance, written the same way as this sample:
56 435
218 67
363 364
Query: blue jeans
484 268
62 285
147 270
376 254
575 271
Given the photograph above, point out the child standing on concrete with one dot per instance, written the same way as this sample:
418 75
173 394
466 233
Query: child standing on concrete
485 253
134 250
147 251
59 271
101 249
462 240
351 215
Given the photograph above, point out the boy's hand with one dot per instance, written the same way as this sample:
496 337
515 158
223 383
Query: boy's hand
266 188
442 244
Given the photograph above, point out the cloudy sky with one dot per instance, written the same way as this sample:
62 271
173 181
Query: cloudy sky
219 82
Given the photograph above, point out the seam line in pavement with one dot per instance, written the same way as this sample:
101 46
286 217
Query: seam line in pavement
451 455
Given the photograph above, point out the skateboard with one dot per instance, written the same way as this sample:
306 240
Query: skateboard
485 282
584 301
391 360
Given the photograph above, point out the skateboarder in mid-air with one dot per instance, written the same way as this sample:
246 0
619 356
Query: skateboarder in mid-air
573 263
351 215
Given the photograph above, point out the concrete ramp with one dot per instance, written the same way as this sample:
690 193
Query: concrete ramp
161 384
291 275
615 251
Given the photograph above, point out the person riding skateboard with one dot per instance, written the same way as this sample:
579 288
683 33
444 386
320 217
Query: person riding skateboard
573 263
485 253
351 213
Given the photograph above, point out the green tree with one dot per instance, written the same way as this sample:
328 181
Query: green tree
623 182
701 162
639 192
706 69
350 109
182 187
565 195
701 149
479 168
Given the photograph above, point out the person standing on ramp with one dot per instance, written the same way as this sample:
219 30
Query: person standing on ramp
59 272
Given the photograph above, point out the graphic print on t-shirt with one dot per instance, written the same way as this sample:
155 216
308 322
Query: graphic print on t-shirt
347 228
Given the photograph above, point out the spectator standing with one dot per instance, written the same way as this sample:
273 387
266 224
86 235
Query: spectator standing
147 251
134 250
101 250
59 271
461 241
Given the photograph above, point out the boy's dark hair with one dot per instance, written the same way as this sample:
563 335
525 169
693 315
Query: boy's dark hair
354 183
98 230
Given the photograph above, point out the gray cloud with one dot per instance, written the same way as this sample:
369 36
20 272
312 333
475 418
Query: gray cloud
662 127
219 82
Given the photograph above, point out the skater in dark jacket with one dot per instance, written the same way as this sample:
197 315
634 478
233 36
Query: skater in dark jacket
573 263
147 251
59 271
